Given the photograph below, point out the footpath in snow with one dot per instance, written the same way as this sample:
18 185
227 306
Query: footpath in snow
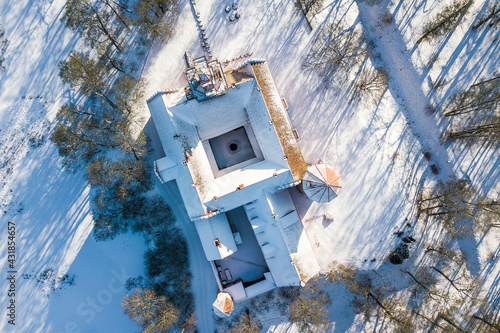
405 83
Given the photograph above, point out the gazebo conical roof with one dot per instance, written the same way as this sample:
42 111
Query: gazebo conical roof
223 305
322 183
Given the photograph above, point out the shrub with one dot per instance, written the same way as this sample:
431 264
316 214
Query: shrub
395 258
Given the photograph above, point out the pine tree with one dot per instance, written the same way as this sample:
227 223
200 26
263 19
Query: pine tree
154 17
87 75
94 22
123 174
82 132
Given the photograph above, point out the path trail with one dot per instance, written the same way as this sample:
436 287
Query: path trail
405 83
203 284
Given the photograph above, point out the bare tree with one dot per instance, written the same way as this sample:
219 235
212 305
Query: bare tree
153 313
485 320
458 206
488 131
370 85
310 6
492 15
308 311
480 98
446 20
247 323
336 48
3 47
475 113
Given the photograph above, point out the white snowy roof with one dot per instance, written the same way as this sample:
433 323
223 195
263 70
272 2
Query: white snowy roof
216 115
273 246
166 169
293 233
216 227
237 291
183 126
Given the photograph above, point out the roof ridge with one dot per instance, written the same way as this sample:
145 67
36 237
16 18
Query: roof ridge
162 91
251 61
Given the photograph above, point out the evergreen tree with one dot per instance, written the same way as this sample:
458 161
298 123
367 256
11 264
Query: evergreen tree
155 17
81 133
92 77
93 21
87 75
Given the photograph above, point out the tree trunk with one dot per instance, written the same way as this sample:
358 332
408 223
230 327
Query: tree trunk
481 131
468 108
449 321
118 16
449 280
486 81
105 30
432 321
418 282
443 21
490 324
494 11
98 92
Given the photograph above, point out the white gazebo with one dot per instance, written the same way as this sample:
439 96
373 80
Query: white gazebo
321 183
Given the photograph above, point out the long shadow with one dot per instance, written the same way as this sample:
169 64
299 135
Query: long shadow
58 41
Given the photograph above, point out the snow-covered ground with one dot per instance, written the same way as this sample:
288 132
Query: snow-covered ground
378 149
50 206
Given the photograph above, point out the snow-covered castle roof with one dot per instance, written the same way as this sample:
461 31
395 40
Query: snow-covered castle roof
234 150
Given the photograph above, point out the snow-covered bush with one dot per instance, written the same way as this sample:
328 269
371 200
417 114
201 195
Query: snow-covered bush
395 258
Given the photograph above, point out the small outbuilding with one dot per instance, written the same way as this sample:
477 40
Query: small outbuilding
223 305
